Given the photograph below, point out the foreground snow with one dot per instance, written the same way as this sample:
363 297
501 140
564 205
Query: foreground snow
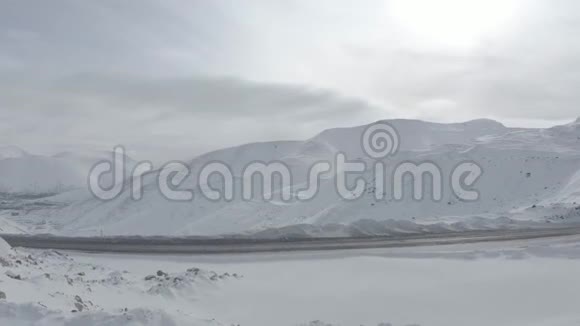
31 314
519 283
52 288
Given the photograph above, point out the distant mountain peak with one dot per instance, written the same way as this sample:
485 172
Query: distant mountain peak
11 152
485 123
573 123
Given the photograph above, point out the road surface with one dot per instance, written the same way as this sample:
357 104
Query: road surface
161 245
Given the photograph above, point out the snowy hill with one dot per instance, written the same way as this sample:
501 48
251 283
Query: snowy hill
11 152
26 174
530 175
40 175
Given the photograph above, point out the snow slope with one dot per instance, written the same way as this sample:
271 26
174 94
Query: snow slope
529 175
10 227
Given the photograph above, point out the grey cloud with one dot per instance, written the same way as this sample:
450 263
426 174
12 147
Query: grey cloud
530 72
510 84
173 113
146 73
199 96
147 36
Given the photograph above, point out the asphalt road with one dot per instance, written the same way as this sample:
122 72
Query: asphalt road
161 245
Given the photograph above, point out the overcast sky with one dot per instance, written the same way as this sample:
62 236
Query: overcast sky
174 78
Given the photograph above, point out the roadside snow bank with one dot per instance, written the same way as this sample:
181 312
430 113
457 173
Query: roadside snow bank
392 227
321 323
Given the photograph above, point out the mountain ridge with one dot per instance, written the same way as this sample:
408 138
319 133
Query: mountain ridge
523 167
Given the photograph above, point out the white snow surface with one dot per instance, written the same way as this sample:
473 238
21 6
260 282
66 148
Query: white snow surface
515 283
10 227
53 288
530 176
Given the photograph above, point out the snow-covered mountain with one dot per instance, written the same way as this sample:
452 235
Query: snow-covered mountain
11 152
529 175
26 174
